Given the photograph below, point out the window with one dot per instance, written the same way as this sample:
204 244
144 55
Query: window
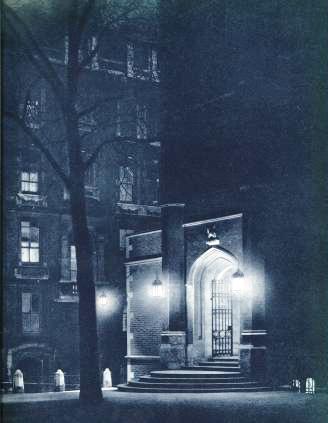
90 178
32 114
141 57
142 120
126 184
90 182
73 264
29 182
29 242
30 312
34 108
125 118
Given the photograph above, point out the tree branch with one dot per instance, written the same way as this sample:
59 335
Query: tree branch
43 65
88 59
84 17
97 150
40 146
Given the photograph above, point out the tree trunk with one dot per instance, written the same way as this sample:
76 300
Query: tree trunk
90 388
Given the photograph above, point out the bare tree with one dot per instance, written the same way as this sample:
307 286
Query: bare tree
67 84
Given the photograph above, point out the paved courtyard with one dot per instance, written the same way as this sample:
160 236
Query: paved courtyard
273 407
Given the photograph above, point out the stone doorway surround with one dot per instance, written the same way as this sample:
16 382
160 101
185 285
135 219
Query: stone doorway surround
215 263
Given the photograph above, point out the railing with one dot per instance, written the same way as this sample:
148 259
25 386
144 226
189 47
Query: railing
72 383
31 322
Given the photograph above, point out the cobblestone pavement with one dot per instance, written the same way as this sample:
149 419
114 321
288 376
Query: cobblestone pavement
273 407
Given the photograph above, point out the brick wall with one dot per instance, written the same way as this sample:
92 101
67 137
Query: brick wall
147 315
142 245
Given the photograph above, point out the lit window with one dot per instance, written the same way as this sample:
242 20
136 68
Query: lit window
32 114
29 182
126 184
29 243
30 312
125 319
73 264
296 385
310 385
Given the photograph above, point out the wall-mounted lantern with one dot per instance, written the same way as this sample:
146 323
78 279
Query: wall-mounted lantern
157 289
103 300
238 281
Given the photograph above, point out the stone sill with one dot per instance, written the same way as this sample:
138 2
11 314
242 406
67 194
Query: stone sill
67 299
138 209
143 357
254 332
32 271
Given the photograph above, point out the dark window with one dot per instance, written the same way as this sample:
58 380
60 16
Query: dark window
30 312
141 57
126 182
142 121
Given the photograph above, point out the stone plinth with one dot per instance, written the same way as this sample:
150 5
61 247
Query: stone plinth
253 354
173 349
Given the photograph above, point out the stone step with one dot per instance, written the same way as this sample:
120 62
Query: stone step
189 385
219 363
224 357
216 368
208 380
128 388
193 373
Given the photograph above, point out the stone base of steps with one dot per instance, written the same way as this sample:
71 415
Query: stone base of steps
129 388
193 372
195 380
193 385
216 368
151 379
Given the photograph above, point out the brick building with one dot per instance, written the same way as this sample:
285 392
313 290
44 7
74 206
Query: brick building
121 187
248 195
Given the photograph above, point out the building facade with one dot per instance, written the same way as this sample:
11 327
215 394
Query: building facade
120 87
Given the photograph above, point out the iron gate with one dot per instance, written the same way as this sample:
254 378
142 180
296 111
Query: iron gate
221 317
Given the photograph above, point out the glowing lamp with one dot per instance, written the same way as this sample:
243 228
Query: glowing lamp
157 289
103 301
238 281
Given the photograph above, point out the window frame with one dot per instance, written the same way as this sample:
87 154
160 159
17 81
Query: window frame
72 263
26 241
28 182
128 197
31 314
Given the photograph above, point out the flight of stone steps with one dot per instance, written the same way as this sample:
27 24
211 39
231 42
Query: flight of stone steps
215 375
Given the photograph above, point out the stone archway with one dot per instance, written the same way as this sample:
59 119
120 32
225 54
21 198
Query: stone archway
35 361
215 264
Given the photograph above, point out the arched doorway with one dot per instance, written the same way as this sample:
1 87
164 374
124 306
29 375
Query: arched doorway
36 362
212 309
33 371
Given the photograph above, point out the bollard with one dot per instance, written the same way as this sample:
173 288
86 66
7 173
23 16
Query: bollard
18 382
107 378
59 381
